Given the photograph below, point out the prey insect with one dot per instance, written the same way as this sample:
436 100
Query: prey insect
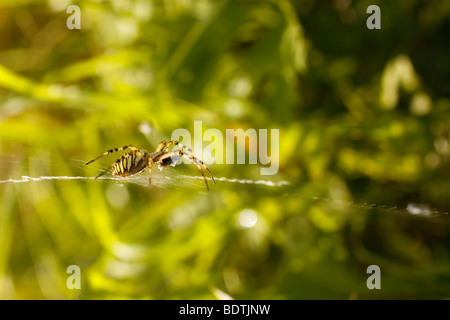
138 160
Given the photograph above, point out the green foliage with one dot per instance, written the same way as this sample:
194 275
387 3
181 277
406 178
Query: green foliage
364 131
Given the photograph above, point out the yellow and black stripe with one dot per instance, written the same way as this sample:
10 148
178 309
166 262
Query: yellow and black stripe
137 160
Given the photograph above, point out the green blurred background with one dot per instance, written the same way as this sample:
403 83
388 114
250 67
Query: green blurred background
364 144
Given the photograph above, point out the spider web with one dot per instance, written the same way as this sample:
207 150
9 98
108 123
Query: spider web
162 178
170 178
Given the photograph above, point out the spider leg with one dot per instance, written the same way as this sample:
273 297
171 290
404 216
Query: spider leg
166 147
177 144
106 171
199 164
149 165
193 159
203 174
114 150
161 146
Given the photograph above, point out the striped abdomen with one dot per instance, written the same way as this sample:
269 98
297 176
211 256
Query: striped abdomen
129 164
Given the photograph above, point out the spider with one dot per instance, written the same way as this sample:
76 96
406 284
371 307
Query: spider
137 160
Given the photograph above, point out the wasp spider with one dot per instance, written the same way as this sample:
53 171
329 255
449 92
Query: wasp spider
137 160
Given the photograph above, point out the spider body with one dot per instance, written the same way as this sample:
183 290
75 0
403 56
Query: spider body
130 163
136 161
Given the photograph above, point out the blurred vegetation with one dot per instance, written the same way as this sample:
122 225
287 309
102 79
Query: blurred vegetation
364 135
